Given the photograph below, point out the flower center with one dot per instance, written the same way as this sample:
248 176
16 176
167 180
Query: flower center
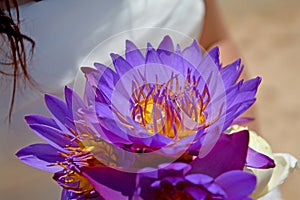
179 195
170 109
75 182
170 192
89 151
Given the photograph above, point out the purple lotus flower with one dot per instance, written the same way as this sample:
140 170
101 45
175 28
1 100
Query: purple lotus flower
70 145
170 97
218 175
176 182
169 106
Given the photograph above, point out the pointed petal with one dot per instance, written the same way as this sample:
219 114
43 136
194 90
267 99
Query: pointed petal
39 119
121 65
214 55
89 94
229 153
258 160
73 101
193 54
41 156
133 55
59 111
209 67
152 55
92 75
246 91
100 67
54 137
105 78
174 61
236 111
231 73
100 97
57 107
166 45
251 84
111 182
109 130
107 82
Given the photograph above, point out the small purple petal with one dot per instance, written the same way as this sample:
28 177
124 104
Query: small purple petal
237 184
174 169
258 160
196 192
158 140
69 195
199 179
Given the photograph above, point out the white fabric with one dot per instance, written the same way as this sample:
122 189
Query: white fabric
65 31
273 195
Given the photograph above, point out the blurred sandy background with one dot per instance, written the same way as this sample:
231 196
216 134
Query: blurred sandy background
267 33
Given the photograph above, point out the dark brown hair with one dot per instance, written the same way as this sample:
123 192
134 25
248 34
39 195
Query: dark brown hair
14 54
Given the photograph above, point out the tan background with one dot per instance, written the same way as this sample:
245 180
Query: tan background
267 33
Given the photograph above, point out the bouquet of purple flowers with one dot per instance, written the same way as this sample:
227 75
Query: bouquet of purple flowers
160 125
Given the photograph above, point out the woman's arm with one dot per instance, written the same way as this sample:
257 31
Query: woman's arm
215 34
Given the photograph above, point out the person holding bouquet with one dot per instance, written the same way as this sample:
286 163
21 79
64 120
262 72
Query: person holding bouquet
44 42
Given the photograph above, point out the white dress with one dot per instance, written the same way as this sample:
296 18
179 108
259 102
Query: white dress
65 32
